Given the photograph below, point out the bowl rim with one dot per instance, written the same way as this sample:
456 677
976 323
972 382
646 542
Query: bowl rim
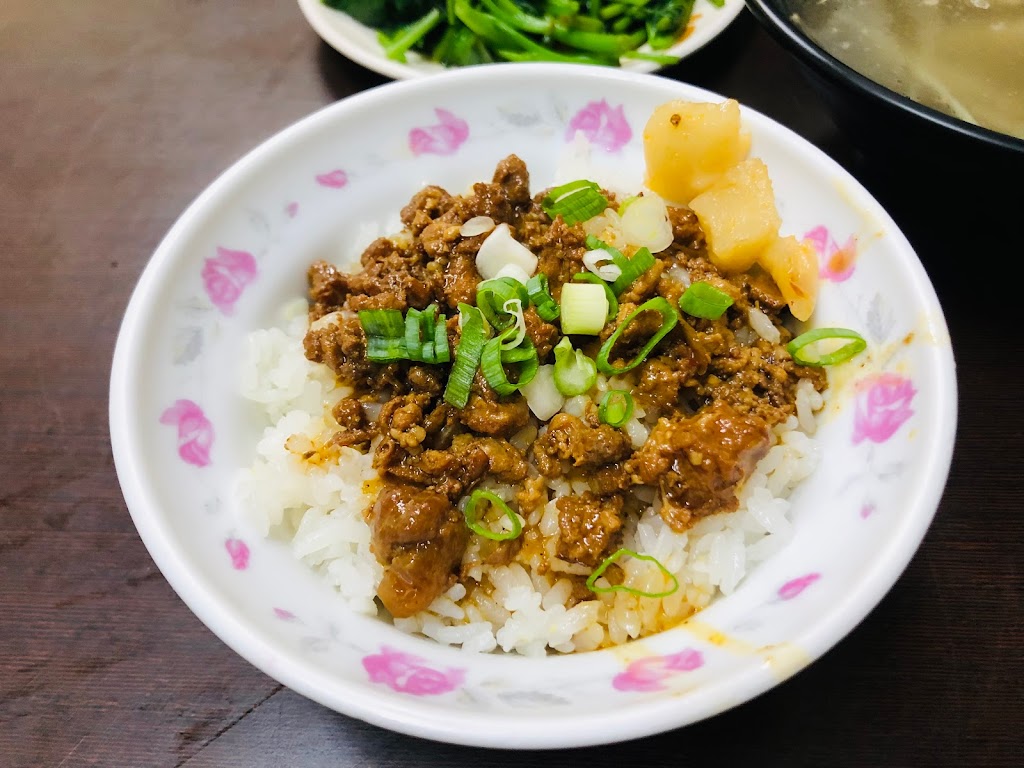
420 718
825 64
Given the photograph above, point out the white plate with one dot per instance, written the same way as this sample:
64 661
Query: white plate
359 43
180 429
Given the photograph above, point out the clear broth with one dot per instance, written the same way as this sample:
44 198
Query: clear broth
962 57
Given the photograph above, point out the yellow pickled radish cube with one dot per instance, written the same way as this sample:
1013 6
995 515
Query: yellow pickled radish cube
738 215
793 265
689 145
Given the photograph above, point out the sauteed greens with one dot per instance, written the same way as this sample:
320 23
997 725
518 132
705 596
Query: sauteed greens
463 32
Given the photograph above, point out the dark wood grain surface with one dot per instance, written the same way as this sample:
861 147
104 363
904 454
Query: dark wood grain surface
113 117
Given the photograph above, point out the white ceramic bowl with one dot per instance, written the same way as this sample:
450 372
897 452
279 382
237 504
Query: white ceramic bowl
359 43
180 429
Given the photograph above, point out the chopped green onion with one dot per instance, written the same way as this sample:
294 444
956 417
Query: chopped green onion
492 295
575 202
616 407
632 268
704 300
385 335
642 261
537 288
441 352
385 350
422 336
584 308
855 346
467 356
382 322
613 303
575 373
599 571
495 357
669 318
413 340
474 523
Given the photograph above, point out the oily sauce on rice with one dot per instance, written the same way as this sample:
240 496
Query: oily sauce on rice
710 392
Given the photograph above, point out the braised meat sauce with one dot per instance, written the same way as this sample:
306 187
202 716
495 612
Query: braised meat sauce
711 391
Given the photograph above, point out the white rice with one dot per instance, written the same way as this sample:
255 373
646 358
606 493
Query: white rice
314 499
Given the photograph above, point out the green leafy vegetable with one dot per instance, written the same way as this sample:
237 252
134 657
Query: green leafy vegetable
465 32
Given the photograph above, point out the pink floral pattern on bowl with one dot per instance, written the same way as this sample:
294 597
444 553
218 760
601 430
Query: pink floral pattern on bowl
882 406
443 138
335 179
226 276
603 125
649 674
837 261
195 432
410 674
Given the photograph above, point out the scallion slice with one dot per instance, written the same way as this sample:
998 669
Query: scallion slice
494 358
704 300
797 348
584 308
619 553
613 303
632 268
467 356
473 516
575 202
537 288
616 407
575 373
385 335
492 295
669 318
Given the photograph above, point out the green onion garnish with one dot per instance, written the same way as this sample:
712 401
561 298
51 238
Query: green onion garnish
574 202
385 335
632 268
622 587
491 296
616 407
421 336
704 300
467 356
495 357
575 373
537 288
473 517
613 303
669 318
796 347
584 308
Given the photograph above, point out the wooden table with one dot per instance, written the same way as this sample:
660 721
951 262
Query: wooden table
113 117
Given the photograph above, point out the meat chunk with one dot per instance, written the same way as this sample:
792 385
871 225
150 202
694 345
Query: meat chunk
559 250
569 438
447 472
513 178
488 413
420 537
505 462
339 343
426 205
661 381
328 288
699 461
587 527
391 278
353 427
544 335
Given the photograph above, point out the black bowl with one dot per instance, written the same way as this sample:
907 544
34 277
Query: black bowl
880 120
